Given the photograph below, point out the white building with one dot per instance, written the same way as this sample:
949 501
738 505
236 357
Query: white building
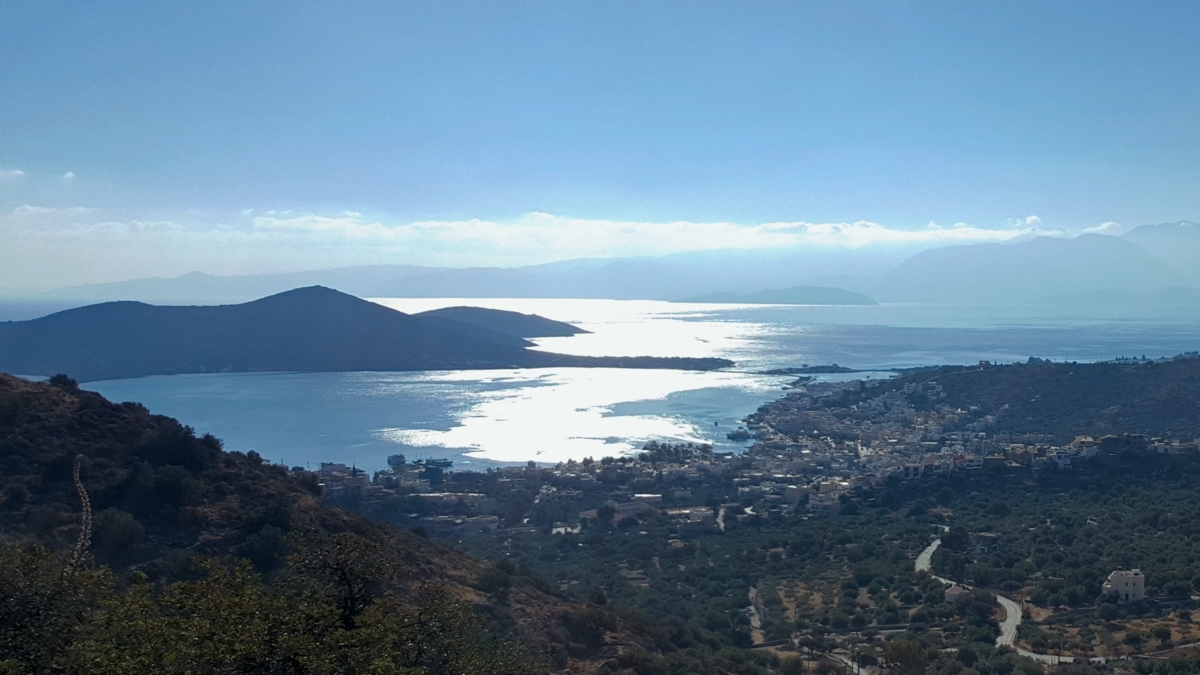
1129 585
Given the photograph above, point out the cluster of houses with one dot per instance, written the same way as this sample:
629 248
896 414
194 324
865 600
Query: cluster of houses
453 512
809 478
800 464
609 491
891 437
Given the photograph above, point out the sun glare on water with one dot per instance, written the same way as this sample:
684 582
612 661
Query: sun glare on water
568 413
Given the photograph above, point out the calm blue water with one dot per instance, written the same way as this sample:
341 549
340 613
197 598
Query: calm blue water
481 418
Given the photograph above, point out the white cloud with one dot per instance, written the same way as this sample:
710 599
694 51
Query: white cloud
1033 222
59 246
43 216
1115 229
69 176
548 237
10 173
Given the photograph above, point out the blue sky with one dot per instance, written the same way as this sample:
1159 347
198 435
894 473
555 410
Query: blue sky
192 118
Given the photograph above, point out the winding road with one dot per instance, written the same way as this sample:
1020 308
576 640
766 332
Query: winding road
925 558
1008 627
1012 619
1012 615
1012 611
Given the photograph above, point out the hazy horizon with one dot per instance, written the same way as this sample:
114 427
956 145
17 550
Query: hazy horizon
151 141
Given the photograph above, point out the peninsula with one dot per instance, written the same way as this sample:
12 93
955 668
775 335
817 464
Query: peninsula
312 329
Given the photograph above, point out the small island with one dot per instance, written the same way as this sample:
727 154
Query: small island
811 370
796 295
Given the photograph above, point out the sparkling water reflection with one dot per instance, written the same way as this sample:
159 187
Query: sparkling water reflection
479 418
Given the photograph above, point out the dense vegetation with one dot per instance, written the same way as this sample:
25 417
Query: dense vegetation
202 560
1156 398
1062 533
1071 529
330 611
820 577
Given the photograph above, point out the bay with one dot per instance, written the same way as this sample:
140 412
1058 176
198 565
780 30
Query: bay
487 418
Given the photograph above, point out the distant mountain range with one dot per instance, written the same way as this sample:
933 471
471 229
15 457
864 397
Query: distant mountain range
1150 265
797 295
308 329
618 279
1176 243
1041 269
1141 264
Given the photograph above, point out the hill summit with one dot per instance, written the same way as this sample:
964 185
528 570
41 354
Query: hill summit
309 329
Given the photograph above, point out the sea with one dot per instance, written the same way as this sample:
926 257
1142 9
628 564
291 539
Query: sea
487 418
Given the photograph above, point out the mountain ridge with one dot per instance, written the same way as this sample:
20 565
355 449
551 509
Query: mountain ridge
1177 243
1024 272
1156 257
313 329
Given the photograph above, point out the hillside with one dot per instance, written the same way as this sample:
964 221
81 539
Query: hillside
317 590
1156 398
159 497
307 329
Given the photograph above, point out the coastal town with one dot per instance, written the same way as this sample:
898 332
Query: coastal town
824 453
809 453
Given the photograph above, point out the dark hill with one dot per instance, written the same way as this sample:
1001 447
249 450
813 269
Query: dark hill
307 329
508 323
154 485
158 490
160 496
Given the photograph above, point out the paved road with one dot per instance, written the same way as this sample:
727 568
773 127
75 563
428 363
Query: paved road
925 559
1012 611
1012 619
1008 627
755 615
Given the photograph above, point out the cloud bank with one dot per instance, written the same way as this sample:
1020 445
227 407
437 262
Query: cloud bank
47 247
